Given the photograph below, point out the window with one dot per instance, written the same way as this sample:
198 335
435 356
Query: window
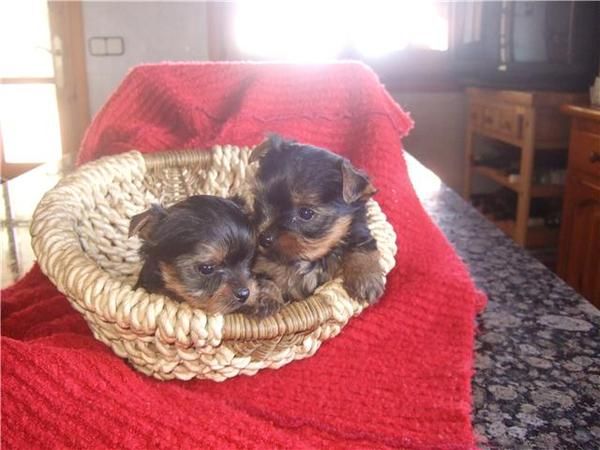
29 122
316 31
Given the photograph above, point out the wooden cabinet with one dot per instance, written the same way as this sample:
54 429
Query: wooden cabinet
529 121
579 254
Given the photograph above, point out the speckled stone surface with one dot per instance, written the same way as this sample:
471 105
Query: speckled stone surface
537 379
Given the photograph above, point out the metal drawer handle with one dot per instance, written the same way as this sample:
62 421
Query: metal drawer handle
594 157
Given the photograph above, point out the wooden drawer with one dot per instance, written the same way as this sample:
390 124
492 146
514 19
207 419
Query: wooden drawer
489 118
510 122
584 152
475 115
498 120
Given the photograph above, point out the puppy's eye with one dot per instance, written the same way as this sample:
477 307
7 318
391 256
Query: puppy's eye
205 269
306 213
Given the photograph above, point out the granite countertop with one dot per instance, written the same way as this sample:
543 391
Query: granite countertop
537 379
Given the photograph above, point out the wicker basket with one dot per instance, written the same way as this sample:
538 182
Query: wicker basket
79 235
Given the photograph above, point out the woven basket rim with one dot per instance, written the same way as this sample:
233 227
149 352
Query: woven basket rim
299 317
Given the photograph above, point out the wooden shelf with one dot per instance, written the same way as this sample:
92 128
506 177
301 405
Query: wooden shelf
499 136
498 176
548 145
539 190
547 190
530 121
537 237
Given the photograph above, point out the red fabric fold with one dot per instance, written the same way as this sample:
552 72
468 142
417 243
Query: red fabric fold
398 376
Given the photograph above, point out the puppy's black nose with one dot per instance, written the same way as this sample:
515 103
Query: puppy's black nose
266 240
242 294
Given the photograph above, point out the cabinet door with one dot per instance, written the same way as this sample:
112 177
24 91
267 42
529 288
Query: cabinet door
580 244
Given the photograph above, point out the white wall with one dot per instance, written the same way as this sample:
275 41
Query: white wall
438 138
151 31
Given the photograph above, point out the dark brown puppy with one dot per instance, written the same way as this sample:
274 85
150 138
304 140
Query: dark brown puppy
310 214
199 251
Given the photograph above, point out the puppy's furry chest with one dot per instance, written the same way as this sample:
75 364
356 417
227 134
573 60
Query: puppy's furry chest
299 279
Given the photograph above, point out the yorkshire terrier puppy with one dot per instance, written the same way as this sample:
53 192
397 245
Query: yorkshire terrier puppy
199 251
310 214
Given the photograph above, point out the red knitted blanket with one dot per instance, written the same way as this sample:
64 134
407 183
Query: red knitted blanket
398 376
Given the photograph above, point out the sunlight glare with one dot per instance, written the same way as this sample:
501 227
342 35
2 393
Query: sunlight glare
29 121
426 183
314 31
288 30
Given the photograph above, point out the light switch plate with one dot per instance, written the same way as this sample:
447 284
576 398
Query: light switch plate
97 46
114 46
106 46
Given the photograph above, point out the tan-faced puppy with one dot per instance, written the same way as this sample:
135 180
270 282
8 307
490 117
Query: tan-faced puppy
310 214
199 251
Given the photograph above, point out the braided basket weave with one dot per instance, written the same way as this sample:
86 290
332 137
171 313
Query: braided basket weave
80 237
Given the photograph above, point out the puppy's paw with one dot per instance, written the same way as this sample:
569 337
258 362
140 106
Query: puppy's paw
363 276
368 287
267 301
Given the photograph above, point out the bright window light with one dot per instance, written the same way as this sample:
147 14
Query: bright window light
30 130
307 30
29 121
25 39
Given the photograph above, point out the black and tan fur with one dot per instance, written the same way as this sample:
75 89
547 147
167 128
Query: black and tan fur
200 251
310 215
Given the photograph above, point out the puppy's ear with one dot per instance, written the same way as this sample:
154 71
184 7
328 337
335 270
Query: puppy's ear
273 142
355 184
142 224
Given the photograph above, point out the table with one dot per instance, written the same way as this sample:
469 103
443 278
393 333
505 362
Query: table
537 379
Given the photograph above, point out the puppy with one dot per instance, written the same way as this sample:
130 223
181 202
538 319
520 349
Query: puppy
310 214
199 251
